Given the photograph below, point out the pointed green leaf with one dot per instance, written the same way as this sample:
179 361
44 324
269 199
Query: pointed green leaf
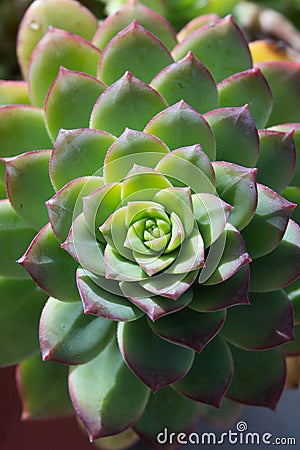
51 267
220 46
279 147
188 166
143 182
269 222
292 194
232 257
100 204
258 377
104 302
75 53
134 49
132 147
295 127
134 10
246 326
29 186
154 306
82 245
69 336
20 307
195 23
169 285
31 135
70 101
65 14
280 267
283 78
211 215
82 151
188 80
235 125
237 186
179 201
249 87
121 269
126 103
67 204
180 126
189 328
44 389
106 395
13 92
156 362
15 236
233 291
160 411
210 375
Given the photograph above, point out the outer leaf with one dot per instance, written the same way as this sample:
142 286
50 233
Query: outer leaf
295 127
160 410
235 125
13 92
196 23
82 151
283 78
154 306
134 10
15 236
233 291
67 204
258 377
210 375
188 80
75 53
106 395
21 305
268 224
126 103
104 302
188 166
132 147
233 256
292 193
44 389
280 267
156 362
67 15
29 186
248 87
134 49
267 322
220 46
70 101
50 266
237 186
279 147
180 125
69 336
31 135
189 329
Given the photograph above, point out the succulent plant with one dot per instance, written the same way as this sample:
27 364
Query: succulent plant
149 193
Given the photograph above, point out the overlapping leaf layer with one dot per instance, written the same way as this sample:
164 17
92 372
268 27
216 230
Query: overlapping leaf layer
146 195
